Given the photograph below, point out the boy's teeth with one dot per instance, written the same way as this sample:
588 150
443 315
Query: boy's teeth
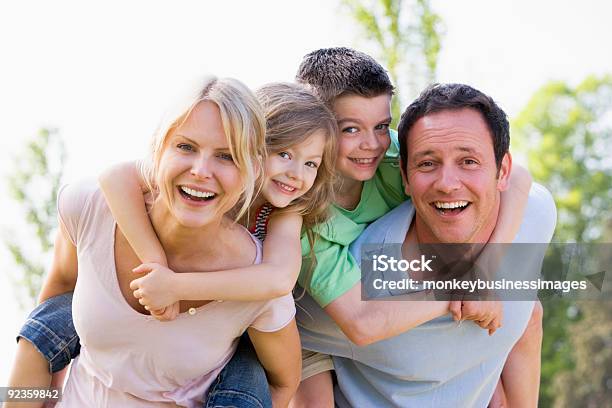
196 193
451 205
364 161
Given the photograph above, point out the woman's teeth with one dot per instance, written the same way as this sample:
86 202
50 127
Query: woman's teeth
206 195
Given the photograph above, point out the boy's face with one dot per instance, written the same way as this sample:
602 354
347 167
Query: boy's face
364 134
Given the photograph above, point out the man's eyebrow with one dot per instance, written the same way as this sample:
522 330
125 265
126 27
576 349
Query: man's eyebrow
423 153
468 150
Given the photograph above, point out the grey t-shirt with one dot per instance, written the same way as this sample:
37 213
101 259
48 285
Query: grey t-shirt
438 364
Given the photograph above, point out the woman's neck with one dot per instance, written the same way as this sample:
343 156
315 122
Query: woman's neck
182 243
348 192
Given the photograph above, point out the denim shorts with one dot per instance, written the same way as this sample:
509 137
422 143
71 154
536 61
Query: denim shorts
49 328
241 384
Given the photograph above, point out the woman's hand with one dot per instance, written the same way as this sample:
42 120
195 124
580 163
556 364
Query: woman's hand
155 291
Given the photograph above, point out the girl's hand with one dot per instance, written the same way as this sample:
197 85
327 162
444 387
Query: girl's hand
166 314
155 290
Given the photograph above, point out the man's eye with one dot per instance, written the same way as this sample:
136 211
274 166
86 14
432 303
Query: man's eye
186 147
284 155
470 162
425 164
350 129
311 164
225 156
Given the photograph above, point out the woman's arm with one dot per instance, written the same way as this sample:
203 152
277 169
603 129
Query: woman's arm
123 188
31 368
275 276
280 354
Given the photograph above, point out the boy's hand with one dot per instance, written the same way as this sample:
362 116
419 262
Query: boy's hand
155 290
487 314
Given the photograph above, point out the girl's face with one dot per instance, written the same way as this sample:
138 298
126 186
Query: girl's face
290 173
197 174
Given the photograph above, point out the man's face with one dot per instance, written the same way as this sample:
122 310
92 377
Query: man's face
452 177
364 134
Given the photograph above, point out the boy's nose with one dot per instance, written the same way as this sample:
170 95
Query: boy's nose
369 141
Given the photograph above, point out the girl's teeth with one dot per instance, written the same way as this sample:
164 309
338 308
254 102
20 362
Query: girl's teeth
363 161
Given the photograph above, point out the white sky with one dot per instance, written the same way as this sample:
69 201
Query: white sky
103 72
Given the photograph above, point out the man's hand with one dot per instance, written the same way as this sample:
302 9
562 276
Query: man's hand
486 314
155 291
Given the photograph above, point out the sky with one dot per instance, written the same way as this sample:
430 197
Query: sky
103 72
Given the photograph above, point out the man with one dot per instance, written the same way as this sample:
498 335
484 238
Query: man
454 152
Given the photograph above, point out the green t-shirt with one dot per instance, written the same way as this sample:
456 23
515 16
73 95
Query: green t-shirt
336 270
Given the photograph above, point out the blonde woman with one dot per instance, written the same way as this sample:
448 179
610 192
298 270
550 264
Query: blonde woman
128 358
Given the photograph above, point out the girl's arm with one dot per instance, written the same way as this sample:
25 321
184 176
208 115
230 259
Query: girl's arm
280 354
275 276
512 208
123 188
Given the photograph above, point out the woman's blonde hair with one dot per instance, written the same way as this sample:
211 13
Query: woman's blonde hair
244 126
293 114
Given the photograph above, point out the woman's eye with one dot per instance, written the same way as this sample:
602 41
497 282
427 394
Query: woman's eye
284 155
350 129
186 147
225 156
312 164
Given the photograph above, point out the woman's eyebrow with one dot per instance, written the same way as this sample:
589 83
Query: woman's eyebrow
186 138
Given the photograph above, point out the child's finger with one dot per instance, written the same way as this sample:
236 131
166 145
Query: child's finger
455 309
135 284
143 268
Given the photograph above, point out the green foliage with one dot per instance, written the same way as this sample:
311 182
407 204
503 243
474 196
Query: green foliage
408 44
34 184
567 135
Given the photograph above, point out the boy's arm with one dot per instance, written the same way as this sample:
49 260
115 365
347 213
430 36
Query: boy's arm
280 354
123 188
275 276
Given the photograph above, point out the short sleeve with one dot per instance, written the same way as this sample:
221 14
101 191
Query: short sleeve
388 178
276 314
540 217
71 202
336 271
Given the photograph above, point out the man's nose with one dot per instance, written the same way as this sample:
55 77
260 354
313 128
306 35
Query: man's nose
448 180
369 141
202 168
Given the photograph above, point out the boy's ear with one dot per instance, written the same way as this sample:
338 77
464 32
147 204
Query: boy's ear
503 174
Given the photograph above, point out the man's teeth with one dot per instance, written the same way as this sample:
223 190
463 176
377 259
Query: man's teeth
285 187
196 193
364 161
450 206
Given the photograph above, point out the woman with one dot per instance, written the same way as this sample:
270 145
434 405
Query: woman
128 358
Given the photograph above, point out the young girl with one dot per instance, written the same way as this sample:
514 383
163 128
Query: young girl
295 192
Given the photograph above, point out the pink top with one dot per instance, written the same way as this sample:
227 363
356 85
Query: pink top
132 360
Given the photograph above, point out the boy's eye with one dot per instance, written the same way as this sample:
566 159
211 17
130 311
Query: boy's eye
284 155
382 126
186 147
311 164
350 129
225 156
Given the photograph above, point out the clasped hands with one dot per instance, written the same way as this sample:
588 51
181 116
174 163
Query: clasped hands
155 291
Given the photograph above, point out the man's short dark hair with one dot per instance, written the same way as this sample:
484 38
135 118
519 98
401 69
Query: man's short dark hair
440 97
333 72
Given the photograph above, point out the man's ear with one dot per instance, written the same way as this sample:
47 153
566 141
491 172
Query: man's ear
503 175
404 179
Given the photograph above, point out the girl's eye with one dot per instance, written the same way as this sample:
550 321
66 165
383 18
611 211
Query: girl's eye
311 164
350 129
186 147
225 156
284 155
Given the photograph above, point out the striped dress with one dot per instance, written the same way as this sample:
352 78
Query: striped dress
260 228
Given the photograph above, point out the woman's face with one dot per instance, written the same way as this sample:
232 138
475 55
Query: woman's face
197 174
291 172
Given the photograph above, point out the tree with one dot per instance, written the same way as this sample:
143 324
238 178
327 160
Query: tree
566 133
407 44
34 184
